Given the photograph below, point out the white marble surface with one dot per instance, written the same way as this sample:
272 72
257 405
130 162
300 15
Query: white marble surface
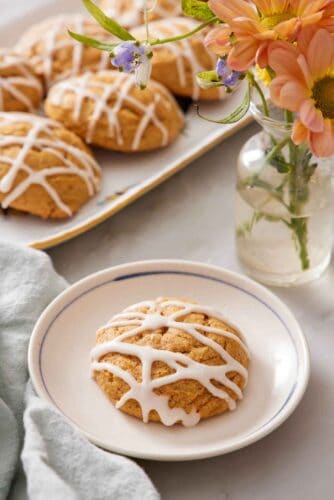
191 217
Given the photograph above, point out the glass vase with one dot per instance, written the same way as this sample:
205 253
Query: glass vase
284 206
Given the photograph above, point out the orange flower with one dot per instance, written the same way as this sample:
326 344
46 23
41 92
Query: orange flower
251 26
304 84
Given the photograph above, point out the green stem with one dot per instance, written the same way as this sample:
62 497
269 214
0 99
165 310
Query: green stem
256 179
292 147
276 149
299 227
288 116
259 183
159 41
146 19
262 97
257 87
298 224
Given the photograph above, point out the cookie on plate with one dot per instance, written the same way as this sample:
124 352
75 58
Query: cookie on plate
177 64
45 170
55 55
20 87
130 13
106 109
170 361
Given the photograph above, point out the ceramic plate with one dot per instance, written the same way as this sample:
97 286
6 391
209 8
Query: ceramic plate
125 177
65 333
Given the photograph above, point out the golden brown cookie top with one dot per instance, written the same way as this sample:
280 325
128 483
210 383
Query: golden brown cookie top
167 341
130 13
129 111
20 88
33 150
55 55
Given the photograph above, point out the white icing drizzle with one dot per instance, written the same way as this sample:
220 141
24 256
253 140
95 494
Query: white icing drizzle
130 13
53 36
185 368
41 137
99 88
13 84
183 50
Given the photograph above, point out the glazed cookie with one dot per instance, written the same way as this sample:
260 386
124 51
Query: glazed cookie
45 169
177 64
130 13
108 110
55 55
170 361
20 88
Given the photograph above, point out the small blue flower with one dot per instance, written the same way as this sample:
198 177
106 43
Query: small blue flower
134 57
229 77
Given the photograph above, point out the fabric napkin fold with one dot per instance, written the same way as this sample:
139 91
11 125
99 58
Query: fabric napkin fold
58 462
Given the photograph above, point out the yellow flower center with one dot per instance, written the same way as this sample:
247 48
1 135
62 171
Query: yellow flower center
265 75
323 95
269 22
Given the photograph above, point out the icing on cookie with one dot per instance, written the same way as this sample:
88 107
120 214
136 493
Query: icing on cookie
185 368
13 84
132 13
184 50
53 36
109 97
41 137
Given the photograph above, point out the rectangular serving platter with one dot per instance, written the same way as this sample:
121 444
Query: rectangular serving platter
126 177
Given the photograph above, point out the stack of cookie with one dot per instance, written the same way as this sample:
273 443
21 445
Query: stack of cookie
46 166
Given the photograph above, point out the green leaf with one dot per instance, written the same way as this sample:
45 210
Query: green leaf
86 40
106 22
208 79
280 164
237 114
198 9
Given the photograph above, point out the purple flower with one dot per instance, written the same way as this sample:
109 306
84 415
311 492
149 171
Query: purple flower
134 57
228 76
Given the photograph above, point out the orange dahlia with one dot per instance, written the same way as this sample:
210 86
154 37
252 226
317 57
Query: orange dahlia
304 84
250 26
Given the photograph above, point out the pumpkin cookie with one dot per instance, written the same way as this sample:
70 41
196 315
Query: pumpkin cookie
170 361
55 55
130 13
20 88
108 110
177 64
45 169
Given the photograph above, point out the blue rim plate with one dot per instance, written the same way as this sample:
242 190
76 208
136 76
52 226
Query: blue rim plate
65 333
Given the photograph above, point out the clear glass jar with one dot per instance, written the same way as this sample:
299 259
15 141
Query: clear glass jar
284 207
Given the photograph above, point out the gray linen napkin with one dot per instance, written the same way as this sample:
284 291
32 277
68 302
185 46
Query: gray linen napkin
59 463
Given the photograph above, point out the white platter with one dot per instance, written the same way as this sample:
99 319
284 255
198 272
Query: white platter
65 333
125 177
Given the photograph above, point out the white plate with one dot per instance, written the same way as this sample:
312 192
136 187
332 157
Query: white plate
125 177
64 335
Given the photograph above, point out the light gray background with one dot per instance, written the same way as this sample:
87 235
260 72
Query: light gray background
191 217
